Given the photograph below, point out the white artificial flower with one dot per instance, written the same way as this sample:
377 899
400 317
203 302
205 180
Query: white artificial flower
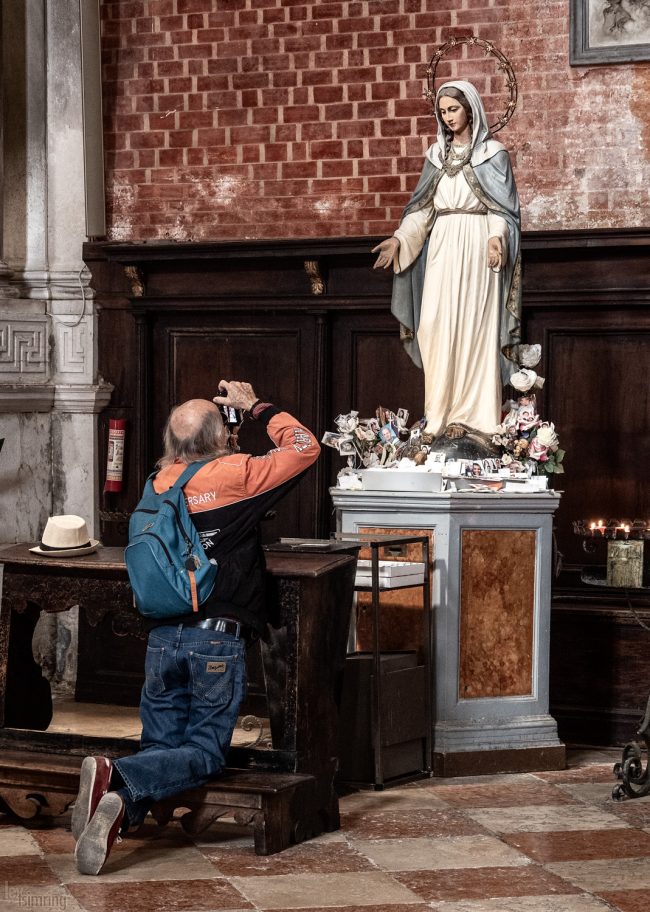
529 355
547 436
523 380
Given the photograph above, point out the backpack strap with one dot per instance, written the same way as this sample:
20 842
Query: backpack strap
189 473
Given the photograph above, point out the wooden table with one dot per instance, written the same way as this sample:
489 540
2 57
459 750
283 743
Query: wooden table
310 597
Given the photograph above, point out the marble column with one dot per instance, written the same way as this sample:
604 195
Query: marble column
50 392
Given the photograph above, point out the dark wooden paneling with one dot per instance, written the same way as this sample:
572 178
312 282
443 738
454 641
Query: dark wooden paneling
247 309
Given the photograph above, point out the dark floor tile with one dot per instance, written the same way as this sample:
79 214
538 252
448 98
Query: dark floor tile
159 896
473 883
505 795
599 773
54 841
25 869
405 824
390 907
627 900
309 858
583 845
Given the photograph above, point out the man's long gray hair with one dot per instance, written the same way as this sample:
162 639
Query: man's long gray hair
204 443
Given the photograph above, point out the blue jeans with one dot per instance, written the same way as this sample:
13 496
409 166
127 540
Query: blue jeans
195 680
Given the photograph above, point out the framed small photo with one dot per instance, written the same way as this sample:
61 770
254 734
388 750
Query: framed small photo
388 433
330 439
347 447
609 31
437 458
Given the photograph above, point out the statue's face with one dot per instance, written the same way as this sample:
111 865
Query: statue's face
453 113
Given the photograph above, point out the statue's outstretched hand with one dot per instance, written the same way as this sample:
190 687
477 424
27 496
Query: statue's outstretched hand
387 251
495 254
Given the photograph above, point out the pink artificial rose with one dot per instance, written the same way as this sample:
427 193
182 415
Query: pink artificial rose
537 450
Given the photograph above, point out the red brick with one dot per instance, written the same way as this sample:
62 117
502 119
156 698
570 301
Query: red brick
338 42
324 27
318 130
148 140
341 168
195 6
327 149
280 80
286 132
354 149
373 40
265 115
299 151
195 157
258 134
328 94
317 77
146 158
145 86
188 120
232 117
356 129
386 90
275 152
359 91
212 137
298 169
328 11
300 113
127 123
373 109
384 185
171 157
180 139
336 112
398 127
367 166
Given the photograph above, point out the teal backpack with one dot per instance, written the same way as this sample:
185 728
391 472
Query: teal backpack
168 569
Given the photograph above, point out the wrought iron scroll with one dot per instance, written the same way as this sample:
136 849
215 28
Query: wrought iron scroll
634 779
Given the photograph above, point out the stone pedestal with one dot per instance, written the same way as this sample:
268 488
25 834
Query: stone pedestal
491 593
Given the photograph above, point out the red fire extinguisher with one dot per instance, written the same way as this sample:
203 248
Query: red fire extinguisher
115 458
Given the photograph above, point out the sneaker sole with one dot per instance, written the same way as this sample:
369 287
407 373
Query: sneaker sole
81 813
97 839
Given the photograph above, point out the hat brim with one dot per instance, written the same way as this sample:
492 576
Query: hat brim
68 552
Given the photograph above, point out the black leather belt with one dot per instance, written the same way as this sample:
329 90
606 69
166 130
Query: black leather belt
223 625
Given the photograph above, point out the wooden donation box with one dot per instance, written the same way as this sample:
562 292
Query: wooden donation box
491 601
283 786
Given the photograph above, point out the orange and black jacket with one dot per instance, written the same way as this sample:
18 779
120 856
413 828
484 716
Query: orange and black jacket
227 498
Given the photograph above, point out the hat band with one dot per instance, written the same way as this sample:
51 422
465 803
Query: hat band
45 547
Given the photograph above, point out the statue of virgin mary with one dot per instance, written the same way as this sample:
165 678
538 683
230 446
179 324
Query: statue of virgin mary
455 254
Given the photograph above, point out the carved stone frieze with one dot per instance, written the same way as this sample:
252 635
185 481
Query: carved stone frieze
23 347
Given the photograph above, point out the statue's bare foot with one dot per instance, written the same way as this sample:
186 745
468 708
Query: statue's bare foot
454 431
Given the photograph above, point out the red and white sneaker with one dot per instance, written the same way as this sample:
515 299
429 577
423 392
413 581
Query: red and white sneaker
96 841
94 781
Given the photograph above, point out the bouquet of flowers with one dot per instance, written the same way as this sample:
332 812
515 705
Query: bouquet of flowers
528 443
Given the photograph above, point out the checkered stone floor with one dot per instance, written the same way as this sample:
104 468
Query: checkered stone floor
539 842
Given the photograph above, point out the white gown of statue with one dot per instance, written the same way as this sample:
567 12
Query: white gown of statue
458 333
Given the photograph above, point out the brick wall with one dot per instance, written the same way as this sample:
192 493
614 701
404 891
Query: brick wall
295 118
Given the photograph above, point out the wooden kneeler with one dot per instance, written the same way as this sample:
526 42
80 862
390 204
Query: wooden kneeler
281 807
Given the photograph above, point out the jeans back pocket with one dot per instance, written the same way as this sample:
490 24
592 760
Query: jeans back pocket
213 677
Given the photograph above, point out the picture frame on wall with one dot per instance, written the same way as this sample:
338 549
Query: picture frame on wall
609 31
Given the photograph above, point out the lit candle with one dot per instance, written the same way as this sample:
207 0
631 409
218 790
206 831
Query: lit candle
592 529
626 529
